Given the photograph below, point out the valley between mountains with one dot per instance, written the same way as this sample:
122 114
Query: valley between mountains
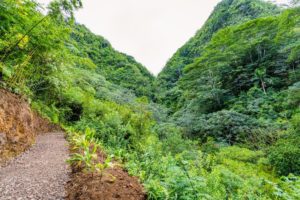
80 120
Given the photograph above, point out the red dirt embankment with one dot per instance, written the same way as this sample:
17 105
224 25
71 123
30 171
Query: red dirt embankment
19 125
113 184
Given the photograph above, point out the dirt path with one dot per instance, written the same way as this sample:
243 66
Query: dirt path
39 173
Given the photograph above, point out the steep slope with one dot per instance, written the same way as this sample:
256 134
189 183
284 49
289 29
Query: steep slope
116 67
243 75
19 125
226 13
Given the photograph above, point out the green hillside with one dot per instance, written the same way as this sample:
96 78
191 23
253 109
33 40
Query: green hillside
116 67
248 69
226 13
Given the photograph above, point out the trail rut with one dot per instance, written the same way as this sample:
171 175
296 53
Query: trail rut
39 173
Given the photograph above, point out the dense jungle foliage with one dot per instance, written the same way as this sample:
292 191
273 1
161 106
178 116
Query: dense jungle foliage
233 132
116 67
226 13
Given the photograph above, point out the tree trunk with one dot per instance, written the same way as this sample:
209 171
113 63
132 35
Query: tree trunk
263 85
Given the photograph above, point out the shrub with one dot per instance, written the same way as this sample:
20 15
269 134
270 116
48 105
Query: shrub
228 126
240 154
285 155
172 138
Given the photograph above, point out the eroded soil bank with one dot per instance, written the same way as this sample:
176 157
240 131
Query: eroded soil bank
19 125
113 184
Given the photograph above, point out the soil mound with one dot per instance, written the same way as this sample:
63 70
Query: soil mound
19 125
113 184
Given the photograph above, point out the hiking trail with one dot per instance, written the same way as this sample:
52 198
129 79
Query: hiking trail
39 173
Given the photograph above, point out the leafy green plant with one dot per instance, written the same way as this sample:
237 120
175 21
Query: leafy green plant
87 156
85 160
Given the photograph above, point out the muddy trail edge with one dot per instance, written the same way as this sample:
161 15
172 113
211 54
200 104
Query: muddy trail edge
39 173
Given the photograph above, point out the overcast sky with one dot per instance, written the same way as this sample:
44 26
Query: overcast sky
149 30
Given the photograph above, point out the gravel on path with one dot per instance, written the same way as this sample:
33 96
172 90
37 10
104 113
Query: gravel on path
39 173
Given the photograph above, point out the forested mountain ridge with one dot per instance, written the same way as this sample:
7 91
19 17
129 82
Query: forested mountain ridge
93 52
226 13
246 70
116 67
